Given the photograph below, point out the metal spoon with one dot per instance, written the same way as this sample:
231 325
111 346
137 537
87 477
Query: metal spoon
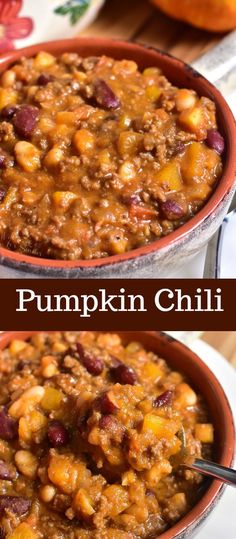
226 475
205 467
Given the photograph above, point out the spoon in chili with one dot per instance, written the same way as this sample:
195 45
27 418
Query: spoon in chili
205 467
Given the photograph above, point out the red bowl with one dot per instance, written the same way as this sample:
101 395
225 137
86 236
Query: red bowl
173 250
181 358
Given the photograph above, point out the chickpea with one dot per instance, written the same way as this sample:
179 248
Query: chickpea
47 493
53 157
84 141
26 463
17 346
27 156
44 59
125 67
127 171
50 371
8 78
26 402
49 366
59 347
185 99
185 396
46 124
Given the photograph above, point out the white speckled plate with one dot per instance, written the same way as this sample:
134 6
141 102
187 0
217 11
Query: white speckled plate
222 522
225 263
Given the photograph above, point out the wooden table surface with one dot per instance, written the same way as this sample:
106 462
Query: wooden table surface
224 342
139 20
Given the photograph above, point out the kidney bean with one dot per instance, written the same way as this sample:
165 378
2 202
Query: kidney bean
92 363
80 350
8 426
172 210
25 120
107 422
131 199
44 79
8 112
105 96
164 399
5 472
57 434
124 375
107 405
215 141
16 504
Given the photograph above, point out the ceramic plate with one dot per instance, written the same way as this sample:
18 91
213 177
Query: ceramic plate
221 523
225 264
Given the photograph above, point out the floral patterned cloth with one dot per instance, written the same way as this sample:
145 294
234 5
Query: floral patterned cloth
12 26
21 20
74 8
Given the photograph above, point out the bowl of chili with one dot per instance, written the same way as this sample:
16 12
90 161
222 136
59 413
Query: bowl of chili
89 438
116 160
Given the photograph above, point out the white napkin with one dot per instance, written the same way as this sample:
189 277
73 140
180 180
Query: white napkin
226 249
219 67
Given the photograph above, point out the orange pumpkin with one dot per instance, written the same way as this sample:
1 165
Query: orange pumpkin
213 15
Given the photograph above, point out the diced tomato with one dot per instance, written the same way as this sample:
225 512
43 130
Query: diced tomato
142 212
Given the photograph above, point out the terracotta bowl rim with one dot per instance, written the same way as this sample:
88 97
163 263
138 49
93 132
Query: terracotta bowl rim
213 492
222 189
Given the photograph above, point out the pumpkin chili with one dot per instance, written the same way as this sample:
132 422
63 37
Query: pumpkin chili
89 437
98 158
